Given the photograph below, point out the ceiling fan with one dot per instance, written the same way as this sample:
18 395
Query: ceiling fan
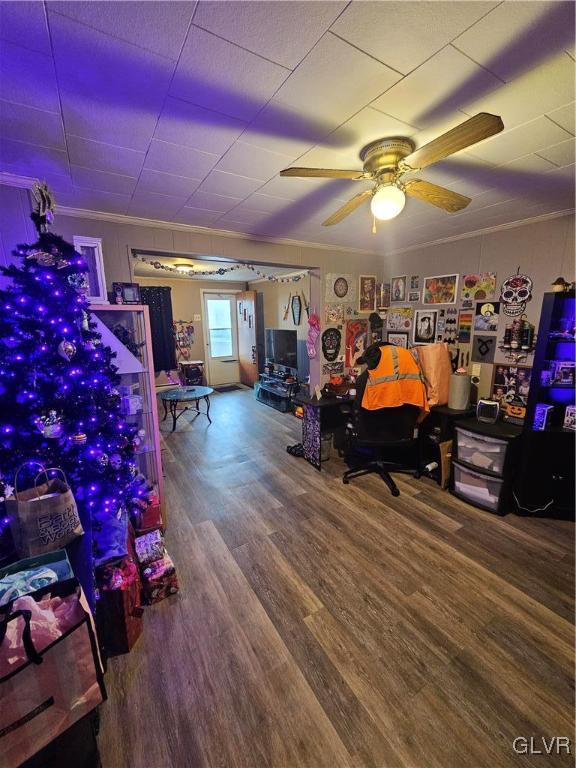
387 160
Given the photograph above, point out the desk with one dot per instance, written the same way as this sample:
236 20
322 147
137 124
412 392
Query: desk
185 395
320 416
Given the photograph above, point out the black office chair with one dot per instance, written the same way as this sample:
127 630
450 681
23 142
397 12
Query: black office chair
381 442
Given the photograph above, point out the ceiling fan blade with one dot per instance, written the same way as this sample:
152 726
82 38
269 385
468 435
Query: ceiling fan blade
347 208
439 196
481 126
327 173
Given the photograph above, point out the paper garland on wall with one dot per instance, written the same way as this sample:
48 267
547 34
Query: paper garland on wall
340 288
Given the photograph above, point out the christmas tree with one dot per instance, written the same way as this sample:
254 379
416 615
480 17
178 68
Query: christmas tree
59 401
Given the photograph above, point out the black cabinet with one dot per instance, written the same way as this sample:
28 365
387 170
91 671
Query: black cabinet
545 484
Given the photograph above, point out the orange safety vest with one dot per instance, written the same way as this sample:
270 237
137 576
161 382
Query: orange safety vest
396 380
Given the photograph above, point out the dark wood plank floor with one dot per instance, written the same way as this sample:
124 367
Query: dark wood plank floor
328 625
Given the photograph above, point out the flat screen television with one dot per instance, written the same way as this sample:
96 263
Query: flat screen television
282 347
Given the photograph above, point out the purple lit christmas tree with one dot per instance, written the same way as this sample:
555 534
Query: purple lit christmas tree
59 402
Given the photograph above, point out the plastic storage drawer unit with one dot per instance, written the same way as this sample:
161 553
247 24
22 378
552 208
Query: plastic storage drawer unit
486 453
481 490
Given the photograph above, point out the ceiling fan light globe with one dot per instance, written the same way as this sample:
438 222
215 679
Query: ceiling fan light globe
387 203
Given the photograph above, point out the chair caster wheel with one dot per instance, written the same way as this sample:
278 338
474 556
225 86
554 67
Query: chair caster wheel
395 492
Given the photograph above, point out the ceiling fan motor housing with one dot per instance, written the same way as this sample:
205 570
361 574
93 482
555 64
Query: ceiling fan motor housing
381 157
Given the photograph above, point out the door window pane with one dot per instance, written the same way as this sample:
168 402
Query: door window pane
220 327
220 342
219 313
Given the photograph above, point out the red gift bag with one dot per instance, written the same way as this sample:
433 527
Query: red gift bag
159 580
50 669
119 611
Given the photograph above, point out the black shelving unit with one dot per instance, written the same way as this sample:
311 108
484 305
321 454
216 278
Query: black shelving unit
275 391
545 484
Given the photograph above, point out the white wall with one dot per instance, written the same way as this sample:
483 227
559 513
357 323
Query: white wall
543 250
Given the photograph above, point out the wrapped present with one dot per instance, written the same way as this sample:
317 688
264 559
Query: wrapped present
149 518
159 580
119 610
149 547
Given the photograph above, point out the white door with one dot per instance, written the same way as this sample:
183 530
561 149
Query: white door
221 338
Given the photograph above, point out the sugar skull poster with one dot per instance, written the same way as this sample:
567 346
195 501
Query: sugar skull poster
515 293
356 340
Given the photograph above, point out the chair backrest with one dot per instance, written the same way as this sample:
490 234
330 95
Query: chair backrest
387 425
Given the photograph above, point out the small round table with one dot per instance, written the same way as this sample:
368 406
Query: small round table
173 397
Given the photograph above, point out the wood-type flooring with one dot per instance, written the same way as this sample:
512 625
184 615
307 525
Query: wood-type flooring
329 626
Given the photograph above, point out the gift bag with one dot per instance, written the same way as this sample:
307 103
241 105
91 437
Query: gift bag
50 669
120 612
44 517
436 368
149 547
33 573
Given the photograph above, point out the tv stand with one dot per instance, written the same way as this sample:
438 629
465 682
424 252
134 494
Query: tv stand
276 391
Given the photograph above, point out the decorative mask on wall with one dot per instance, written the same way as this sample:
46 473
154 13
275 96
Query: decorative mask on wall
516 292
331 341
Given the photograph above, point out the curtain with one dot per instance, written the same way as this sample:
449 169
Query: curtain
159 302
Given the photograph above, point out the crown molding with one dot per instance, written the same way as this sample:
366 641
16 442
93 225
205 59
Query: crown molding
485 231
120 218
15 180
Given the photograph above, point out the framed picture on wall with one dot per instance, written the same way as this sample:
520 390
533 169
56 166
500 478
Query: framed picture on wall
90 248
425 322
126 293
398 338
441 289
367 293
398 288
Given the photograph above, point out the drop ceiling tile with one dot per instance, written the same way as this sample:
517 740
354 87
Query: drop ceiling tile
334 81
516 35
196 216
253 162
404 34
166 183
19 80
221 183
192 126
527 164
536 92
32 160
560 154
264 203
34 126
25 22
111 91
145 24
435 90
104 157
565 117
220 76
212 202
94 200
240 215
367 126
523 140
292 188
151 205
178 160
88 178
284 130
282 31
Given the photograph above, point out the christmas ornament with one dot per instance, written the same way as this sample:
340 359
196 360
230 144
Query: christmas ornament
133 469
79 281
66 349
51 425
101 460
79 438
44 259
115 461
